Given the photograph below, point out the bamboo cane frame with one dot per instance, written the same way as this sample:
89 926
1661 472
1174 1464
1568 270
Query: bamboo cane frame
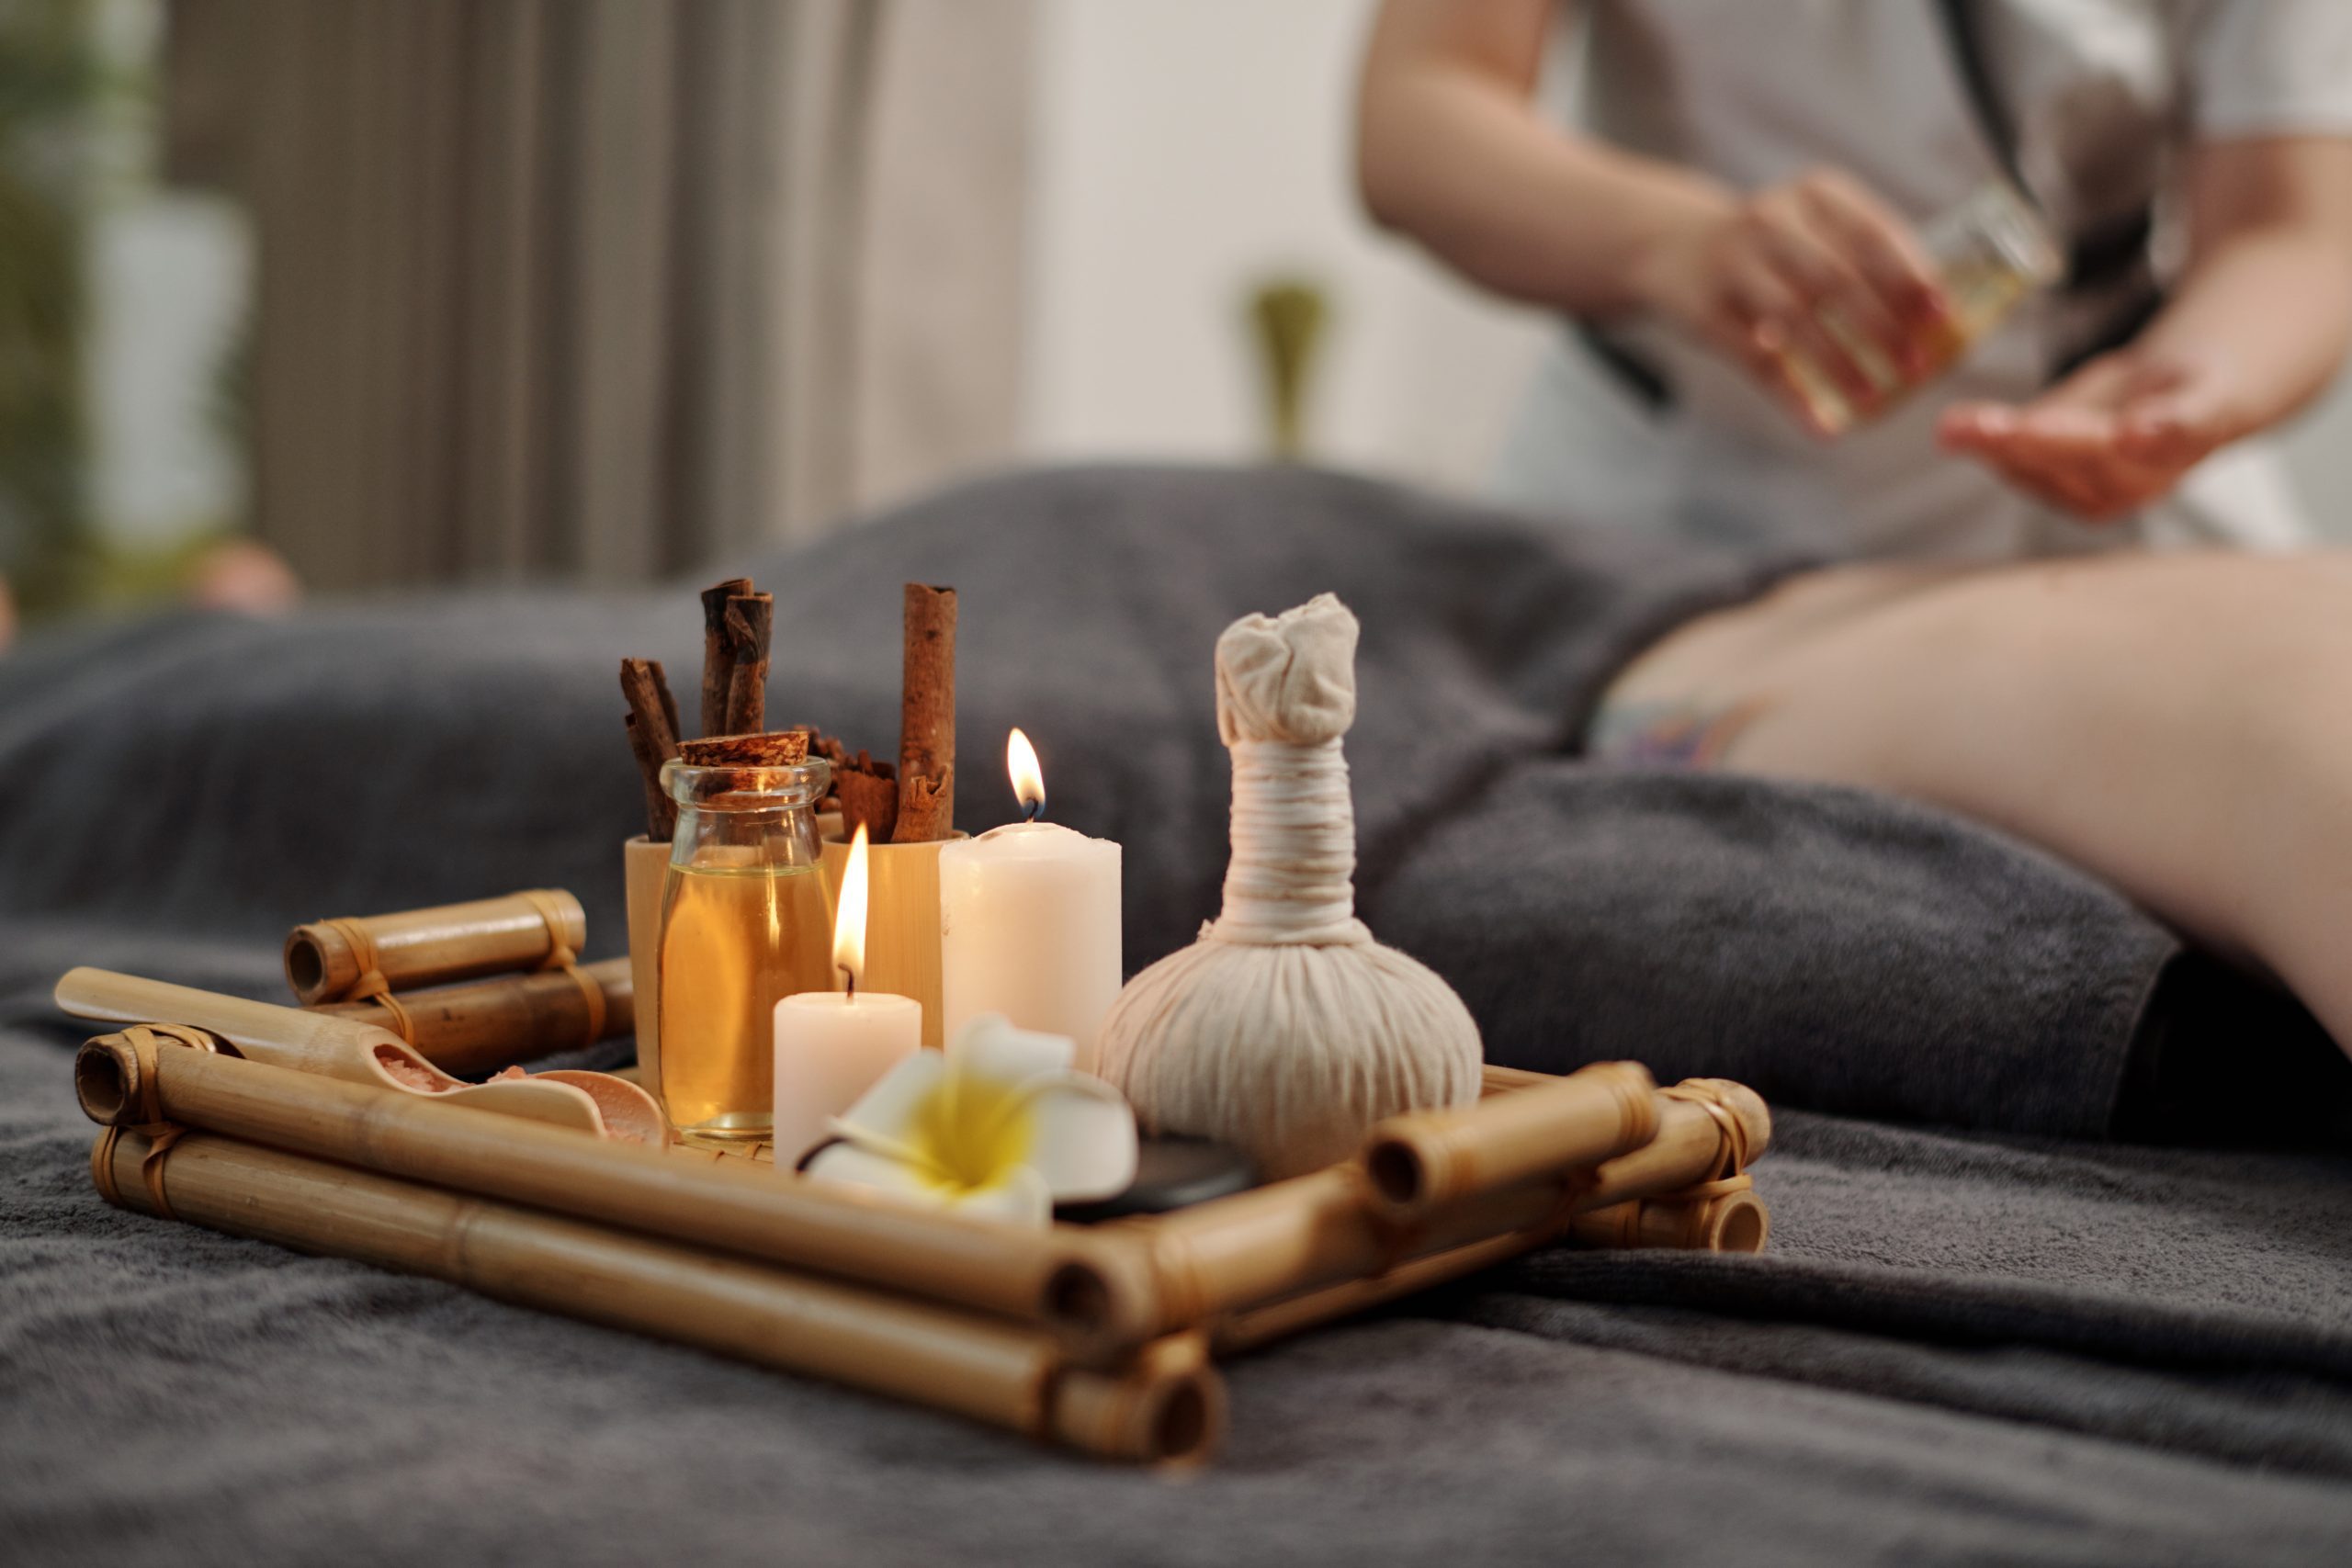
1104 1290
1113 1324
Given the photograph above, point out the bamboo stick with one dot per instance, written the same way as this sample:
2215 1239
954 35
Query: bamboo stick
1426 1160
343 1048
1088 1298
1495 1079
1260 1325
488 1024
1716 1216
1708 1128
326 960
1323 1229
1167 1408
1728 1222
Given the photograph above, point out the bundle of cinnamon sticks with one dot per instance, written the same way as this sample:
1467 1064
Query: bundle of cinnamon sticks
737 623
913 802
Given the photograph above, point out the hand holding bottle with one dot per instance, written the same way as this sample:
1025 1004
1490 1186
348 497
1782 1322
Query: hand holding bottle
1814 286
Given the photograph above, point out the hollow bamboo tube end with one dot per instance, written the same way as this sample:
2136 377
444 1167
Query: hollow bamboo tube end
1101 1301
1168 1409
320 962
1424 1160
1739 1223
108 1079
1736 1221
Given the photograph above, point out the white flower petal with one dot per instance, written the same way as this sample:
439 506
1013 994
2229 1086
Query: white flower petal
1020 1198
887 1111
1082 1138
989 1047
853 1167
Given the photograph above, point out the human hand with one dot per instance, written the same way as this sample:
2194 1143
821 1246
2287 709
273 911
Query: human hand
2112 437
1818 268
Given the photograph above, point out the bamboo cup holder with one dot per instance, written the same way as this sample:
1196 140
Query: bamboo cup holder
283 1125
902 921
645 864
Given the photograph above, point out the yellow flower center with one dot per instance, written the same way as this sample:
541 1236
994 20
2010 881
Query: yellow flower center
970 1131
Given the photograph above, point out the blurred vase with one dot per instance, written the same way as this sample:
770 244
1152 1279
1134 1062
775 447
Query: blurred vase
1287 317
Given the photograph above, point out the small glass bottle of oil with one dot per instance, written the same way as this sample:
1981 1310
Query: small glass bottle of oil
746 921
1992 250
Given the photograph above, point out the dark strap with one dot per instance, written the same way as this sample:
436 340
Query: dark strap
2104 257
1634 374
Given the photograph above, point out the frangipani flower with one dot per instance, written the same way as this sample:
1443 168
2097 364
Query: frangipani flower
996 1126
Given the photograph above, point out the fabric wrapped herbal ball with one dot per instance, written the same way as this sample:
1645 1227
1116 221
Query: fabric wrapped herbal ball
1285 1029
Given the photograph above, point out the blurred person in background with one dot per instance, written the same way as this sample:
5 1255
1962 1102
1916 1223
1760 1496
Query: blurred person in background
1737 233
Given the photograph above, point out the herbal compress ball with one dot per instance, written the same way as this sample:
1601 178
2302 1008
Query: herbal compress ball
1286 1029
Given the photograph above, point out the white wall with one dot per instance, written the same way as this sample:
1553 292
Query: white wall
1185 148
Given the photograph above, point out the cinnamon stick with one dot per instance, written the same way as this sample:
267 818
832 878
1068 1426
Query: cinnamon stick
648 695
749 619
661 811
870 794
927 718
669 703
653 736
717 652
830 748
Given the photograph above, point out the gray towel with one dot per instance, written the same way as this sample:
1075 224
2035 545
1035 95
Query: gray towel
1964 1346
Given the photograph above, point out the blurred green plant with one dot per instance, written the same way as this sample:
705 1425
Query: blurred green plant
50 79
1287 316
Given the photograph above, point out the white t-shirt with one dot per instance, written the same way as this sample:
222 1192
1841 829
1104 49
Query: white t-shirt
2105 95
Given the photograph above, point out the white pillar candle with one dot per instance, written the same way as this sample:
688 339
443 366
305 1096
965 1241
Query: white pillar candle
1029 923
830 1047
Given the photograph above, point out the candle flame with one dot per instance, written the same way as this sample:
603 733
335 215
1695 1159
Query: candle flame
848 919
1028 778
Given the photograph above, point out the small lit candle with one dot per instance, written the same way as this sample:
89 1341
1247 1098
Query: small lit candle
1029 920
832 1046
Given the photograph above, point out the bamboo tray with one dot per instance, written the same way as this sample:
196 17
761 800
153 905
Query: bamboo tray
1100 1338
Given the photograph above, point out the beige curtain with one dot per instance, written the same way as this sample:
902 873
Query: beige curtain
610 286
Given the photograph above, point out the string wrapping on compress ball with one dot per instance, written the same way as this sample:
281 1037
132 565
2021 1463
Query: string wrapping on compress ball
1287 1029
1292 878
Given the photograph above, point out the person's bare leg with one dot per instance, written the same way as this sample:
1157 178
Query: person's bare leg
2178 724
